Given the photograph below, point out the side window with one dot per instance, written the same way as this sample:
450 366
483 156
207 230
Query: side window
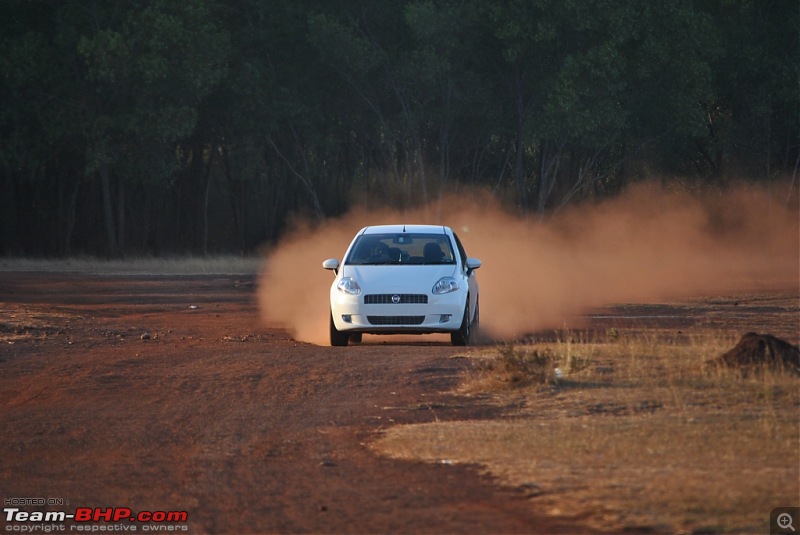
461 252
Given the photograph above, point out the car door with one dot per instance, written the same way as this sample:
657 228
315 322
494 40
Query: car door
468 275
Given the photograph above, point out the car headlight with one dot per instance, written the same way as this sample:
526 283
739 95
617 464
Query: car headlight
348 285
445 285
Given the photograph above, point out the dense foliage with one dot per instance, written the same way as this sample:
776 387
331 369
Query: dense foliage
153 126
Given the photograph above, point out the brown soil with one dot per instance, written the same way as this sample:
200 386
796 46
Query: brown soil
165 393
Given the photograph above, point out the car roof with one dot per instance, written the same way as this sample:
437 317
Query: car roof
390 229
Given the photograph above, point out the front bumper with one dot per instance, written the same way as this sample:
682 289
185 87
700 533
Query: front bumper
442 313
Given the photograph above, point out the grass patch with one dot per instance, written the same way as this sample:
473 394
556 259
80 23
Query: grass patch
635 433
517 367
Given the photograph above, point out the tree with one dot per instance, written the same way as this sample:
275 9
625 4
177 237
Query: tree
201 126
752 119
150 68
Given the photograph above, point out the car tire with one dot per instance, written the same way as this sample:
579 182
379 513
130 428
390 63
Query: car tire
356 338
461 337
475 327
338 338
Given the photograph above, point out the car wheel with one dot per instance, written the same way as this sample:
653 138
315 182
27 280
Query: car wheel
462 335
338 338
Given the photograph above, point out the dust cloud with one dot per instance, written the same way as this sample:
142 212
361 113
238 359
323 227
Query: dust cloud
647 244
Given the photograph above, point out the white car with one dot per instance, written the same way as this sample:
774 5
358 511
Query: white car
404 279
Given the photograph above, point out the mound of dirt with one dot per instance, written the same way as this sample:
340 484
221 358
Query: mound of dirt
760 351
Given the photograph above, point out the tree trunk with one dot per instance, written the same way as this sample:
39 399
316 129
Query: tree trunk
8 233
120 216
69 224
108 211
209 166
519 147
319 213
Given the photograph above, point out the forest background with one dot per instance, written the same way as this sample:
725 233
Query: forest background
153 127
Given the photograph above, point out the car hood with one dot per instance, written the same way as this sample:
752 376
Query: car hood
406 278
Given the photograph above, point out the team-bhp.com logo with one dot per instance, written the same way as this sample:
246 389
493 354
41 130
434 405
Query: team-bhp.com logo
89 518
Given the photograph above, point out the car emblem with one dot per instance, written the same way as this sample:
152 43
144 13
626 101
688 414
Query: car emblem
395 299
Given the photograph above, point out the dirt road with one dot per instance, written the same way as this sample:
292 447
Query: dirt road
167 394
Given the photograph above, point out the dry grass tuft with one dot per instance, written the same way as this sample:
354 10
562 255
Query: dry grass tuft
514 366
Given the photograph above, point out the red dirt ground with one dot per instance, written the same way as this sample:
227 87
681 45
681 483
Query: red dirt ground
166 393
239 425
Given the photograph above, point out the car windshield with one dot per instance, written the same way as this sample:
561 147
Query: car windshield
404 248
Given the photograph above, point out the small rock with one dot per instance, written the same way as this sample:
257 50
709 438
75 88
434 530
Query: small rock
145 336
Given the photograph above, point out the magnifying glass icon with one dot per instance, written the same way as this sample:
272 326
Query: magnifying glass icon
785 521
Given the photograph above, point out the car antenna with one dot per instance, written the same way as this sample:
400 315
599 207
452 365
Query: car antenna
404 227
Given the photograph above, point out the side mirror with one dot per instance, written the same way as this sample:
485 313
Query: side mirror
332 264
472 265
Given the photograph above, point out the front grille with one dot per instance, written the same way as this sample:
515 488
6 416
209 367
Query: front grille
395 320
386 299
